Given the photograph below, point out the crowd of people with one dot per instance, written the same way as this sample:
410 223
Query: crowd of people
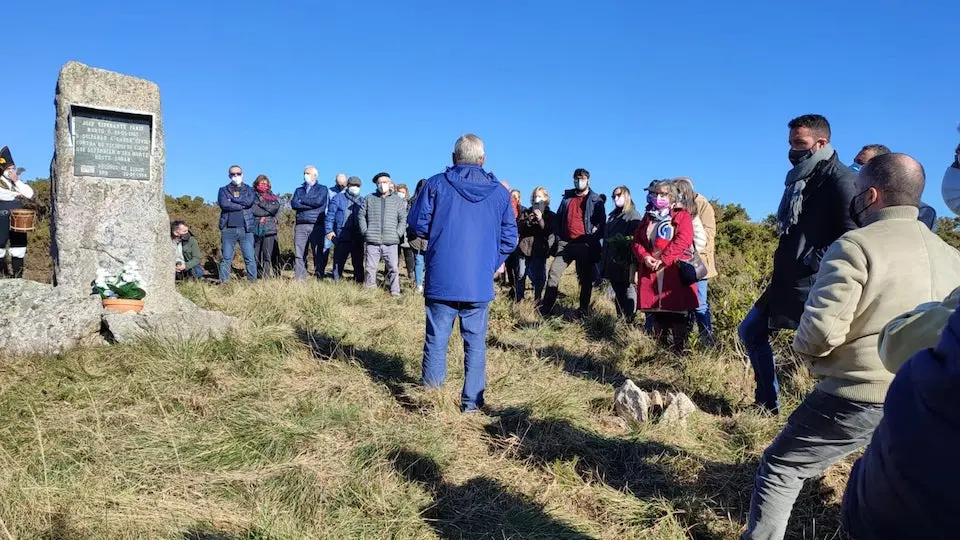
858 273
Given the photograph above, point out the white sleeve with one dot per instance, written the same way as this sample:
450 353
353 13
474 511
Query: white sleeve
24 189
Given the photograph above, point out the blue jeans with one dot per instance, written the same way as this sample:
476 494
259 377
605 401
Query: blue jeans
822 431
473 328
419 267
229 237
702 314
536 270
755 333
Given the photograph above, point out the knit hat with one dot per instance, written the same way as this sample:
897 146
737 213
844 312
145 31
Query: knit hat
353 181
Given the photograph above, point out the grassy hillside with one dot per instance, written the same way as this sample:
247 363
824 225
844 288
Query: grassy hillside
309 424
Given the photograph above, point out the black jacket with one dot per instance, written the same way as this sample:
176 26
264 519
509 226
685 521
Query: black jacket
594 220
824 217
535 240
618 260
266 213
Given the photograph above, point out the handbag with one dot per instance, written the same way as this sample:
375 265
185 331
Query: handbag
692 270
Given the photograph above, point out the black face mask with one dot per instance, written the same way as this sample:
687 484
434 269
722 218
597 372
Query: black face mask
854 213
797 156
184 237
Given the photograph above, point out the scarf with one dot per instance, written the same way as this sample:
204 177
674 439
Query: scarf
662 226
792 202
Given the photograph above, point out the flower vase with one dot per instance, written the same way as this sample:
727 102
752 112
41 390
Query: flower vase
122 305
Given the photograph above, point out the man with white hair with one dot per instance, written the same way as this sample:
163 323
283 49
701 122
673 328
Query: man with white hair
310 203
468 221
12 192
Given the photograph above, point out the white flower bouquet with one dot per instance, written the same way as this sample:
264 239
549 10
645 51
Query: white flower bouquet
125 284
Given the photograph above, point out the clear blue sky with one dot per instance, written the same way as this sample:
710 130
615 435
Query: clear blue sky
629 90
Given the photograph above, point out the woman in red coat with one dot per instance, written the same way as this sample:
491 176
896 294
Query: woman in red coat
665 237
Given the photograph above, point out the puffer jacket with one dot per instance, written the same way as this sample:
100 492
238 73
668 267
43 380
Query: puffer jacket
824 218
310 202
536 237
383 219
233 199
343 218
265 210
619 267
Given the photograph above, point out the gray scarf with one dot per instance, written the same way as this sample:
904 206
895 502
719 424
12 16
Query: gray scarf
792 202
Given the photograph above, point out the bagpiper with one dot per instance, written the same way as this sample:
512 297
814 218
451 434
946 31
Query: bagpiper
13 192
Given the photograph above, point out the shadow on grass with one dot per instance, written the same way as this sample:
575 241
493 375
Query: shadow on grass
381 368
480 508
208 533
702 489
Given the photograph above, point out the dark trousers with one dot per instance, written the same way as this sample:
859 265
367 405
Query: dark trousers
343 250
570 252
625 294
409 261
667 325
263 246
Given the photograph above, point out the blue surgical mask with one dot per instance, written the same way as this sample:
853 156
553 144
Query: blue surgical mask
855 167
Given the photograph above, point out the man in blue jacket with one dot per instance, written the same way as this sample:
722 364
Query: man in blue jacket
310 203
236 224
580 224
338 187
467 219
343 230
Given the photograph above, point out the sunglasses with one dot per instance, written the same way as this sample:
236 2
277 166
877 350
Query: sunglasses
233 174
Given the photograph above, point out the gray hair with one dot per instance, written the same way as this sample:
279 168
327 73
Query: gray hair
311 169
468 150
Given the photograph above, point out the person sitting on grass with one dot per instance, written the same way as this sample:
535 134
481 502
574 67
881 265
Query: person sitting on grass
187 250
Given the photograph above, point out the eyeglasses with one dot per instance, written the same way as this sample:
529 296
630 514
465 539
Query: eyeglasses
234 174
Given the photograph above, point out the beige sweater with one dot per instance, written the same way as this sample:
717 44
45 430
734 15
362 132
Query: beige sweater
868 277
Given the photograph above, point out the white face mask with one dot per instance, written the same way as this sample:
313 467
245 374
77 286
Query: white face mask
619 201
582 185
539 200
237 180
384 187
353 190
308 178
951 189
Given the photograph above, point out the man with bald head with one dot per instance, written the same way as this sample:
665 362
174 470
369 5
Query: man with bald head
310 203
928 215
870 275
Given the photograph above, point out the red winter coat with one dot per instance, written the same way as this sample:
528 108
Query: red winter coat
663 290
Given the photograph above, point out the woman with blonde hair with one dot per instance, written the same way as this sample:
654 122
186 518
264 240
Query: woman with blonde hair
619 265
535 228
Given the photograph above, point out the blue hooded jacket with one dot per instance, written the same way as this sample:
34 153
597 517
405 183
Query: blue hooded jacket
342 217
310 202
241 203
466 217
906 484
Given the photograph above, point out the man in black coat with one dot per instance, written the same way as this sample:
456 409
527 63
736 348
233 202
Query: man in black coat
814 212
580 223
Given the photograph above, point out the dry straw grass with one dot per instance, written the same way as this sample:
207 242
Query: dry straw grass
310 424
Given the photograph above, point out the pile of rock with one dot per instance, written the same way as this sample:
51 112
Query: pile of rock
638 406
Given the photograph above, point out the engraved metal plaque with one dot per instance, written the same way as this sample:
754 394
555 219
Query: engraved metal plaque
111 144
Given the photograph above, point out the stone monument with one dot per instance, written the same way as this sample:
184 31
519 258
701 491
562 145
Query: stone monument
107 209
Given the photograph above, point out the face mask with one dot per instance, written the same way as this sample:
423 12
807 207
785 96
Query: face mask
661 202
262 188
582 185
854 212
402 194
308 178
855 167
539 200
237 180
619 201
383 187
184 237
353 190
797 156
